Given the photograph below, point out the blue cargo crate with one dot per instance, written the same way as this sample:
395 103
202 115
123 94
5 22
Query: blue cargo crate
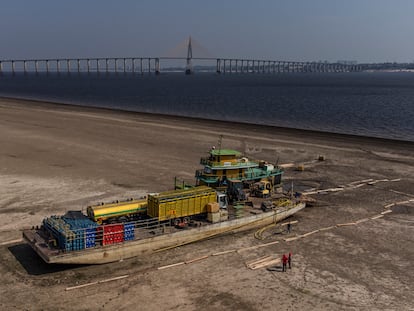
60 230
129 231
90 237
84 228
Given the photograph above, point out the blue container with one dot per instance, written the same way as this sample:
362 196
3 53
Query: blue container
90 237
129 231
83 228
61 231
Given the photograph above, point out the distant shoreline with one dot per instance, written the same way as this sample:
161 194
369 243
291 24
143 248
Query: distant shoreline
211 122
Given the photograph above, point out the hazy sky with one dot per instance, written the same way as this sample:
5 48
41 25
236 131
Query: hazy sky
362 30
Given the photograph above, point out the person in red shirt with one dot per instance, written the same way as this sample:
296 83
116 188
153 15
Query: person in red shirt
284 262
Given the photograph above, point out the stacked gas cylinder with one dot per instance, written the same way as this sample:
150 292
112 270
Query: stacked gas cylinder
73 231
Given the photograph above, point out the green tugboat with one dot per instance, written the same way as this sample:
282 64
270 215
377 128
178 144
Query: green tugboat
225 165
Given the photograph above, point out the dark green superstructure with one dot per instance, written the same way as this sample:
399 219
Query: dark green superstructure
226 164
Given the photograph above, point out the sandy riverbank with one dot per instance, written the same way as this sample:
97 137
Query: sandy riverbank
56 158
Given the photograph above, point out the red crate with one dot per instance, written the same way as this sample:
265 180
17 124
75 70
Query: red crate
111 234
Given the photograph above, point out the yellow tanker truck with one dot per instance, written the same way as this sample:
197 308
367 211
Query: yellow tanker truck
127 210
177 205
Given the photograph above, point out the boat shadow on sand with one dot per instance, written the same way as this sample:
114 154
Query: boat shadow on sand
34 264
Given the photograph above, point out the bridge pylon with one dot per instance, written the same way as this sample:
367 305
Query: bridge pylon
189 66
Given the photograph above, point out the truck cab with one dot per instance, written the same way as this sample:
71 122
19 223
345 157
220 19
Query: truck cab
261 188
222 200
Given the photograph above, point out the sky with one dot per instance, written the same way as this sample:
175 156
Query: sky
295 30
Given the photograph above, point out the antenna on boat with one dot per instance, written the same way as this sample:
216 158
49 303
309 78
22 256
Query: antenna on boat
277 161
219 143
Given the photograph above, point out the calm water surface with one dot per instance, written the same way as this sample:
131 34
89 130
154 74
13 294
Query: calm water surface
368 104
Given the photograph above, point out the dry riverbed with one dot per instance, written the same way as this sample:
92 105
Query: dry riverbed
55 158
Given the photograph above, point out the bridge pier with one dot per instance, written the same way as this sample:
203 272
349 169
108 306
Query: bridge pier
157 66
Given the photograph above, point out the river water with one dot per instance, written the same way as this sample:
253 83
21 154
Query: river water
375 104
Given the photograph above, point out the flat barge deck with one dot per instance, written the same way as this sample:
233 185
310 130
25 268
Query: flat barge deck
147 245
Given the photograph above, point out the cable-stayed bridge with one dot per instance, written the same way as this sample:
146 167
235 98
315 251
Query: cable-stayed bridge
141 65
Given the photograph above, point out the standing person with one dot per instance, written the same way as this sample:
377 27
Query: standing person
284 262
289 227
290 260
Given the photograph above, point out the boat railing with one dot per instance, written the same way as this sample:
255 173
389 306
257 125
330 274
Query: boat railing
248 175
204 161
262 174
107 234
226 164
